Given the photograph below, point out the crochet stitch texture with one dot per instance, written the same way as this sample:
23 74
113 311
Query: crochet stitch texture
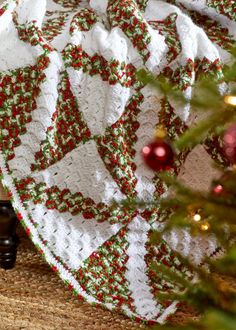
73 120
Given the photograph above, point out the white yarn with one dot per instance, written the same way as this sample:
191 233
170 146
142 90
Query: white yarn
73 238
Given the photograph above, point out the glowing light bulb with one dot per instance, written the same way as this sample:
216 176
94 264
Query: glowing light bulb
197 217
230 100
218 189
205 226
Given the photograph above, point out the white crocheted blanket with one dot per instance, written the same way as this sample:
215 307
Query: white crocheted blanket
73 120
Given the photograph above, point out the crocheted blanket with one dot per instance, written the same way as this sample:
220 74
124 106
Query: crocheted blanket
73 119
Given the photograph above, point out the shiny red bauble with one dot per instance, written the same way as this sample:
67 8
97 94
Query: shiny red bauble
230 143
218 189
158 155
225 185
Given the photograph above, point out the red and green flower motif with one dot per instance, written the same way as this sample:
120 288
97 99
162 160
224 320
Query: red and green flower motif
65 201
167 28
116 147
184 76
52 27
162 255
168 118
3 9
224 7
67 131
214 30
214 146
126 15
83 20
208 68
31 34
18 93
142 4
103 273
70 4
111 71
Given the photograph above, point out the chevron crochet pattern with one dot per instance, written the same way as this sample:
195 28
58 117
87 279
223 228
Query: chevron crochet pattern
74 119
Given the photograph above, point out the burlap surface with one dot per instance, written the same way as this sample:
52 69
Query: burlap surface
32 297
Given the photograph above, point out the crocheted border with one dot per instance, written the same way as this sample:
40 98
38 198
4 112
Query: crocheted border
68 279
25 218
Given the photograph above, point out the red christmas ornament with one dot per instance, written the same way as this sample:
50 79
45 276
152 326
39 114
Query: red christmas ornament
158 155
224 187
230 143
218 189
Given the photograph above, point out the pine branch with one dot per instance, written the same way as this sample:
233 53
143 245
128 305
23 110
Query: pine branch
198 133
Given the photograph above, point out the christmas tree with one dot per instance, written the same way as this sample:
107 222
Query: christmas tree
209 288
